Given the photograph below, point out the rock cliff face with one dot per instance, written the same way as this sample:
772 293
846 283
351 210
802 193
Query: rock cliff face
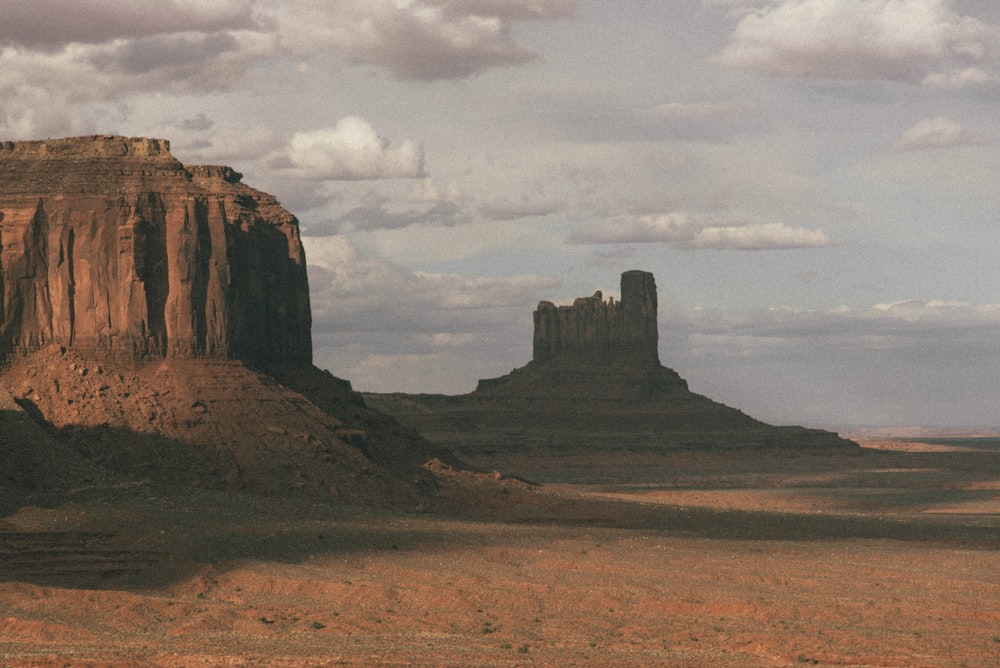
605 332
110 245
595 348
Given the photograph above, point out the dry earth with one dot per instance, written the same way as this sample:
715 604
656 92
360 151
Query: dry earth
885 558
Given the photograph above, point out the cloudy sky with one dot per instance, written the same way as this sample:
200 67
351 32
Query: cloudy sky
812 182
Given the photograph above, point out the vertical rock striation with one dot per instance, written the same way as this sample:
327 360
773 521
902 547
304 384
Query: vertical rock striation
604 332
595 348
110 245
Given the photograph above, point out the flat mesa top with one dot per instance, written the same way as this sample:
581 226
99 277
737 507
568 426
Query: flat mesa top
105 165
92 146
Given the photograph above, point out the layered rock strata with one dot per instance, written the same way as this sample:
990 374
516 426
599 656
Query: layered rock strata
155 324
110 245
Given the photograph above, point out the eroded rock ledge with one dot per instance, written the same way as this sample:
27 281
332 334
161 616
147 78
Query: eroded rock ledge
110 245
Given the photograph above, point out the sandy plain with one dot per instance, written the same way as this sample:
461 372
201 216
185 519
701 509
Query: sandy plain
887 557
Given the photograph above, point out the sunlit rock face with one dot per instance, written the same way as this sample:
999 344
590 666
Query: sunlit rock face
110 245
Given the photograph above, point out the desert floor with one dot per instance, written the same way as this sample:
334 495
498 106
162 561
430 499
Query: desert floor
890 557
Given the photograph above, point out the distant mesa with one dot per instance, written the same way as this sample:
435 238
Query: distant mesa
112 246
603 332
595 348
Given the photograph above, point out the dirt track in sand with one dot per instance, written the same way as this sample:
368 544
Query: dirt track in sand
886 559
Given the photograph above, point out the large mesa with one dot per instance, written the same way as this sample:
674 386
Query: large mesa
110 245
155 320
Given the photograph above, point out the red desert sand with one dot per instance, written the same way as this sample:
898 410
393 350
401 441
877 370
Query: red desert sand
884 558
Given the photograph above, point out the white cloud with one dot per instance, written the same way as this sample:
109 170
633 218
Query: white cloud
891 40
970 76
929 362
934 133
765 236
685 231
353 150
528 206
416 39
690 110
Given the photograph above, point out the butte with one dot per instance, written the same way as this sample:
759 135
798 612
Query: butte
593 399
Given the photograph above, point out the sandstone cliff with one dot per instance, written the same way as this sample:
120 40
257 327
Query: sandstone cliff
110 245
155 324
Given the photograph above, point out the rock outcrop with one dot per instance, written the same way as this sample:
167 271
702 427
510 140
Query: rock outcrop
155 322
594 396
602 332
110 245
595 348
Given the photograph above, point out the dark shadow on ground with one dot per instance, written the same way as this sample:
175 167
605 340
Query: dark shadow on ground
173 535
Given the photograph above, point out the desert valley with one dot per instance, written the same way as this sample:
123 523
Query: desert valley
180 486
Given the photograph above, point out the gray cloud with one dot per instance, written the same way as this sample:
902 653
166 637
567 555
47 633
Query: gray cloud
847 366
421 40
387 328
99 51
376 216
509 10
198 123
100 21
524 207
354 292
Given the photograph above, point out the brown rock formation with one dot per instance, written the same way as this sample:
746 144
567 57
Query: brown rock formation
110 245
155 323
595 348
592 330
